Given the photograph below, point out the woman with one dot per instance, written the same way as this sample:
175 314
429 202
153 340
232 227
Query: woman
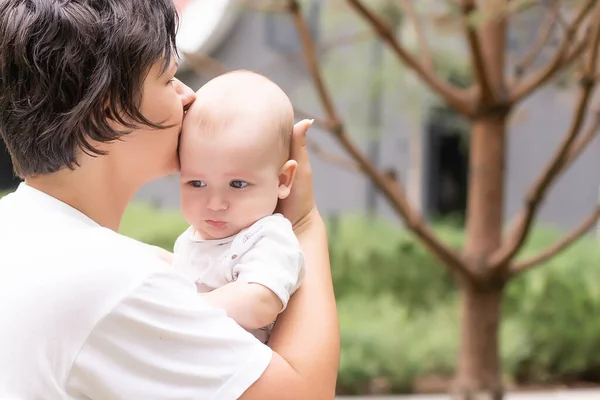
90 112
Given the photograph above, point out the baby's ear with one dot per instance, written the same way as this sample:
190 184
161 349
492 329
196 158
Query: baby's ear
287 173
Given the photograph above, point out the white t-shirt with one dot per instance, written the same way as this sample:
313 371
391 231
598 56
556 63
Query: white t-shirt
89 314
267 253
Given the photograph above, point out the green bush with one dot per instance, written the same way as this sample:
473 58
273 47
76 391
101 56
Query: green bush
559 305
382 340
150 225
372 257
550 330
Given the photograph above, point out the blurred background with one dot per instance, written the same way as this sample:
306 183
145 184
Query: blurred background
399 306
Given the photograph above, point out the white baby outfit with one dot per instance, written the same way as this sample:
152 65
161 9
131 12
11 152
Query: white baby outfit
267 253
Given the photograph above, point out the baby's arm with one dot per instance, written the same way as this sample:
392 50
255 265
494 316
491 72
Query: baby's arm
251 305
268 273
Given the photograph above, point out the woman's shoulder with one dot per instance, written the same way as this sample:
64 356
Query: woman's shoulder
90 262
110 253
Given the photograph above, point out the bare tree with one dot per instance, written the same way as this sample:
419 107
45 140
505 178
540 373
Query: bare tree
488 260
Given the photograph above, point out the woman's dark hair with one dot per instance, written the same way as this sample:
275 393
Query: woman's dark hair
69 66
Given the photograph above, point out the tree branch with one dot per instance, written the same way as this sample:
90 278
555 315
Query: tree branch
204 65
344 40
393 192
334 159
559 246
477 59
560 17
274 6
409 10
544 35
561 59
520 229
581 144
456 98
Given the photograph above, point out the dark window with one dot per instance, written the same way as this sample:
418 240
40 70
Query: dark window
447 169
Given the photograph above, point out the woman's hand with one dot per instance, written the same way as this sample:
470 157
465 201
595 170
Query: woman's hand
306 337
299 207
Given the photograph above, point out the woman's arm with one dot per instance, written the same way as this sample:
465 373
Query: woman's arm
306 340
307 333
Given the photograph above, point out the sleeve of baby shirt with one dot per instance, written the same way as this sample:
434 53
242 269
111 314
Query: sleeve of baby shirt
270 255
164 342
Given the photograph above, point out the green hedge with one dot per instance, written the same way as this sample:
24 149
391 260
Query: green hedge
372 258
398 310
152 226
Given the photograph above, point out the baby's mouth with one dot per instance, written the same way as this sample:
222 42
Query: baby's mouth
216 224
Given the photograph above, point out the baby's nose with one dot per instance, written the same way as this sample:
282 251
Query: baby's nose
217 203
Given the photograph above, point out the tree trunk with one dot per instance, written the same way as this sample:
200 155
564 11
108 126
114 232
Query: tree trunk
479 376
485 202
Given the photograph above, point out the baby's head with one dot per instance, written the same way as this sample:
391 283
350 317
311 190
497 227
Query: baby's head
234 153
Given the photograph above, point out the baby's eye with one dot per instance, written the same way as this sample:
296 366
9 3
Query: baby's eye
197 184
238 184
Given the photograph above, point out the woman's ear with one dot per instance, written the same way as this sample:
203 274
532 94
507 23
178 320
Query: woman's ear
287 173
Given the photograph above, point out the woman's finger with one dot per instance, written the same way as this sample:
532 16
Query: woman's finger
298 150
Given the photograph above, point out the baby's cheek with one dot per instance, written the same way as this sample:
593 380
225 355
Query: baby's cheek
261 207
190 207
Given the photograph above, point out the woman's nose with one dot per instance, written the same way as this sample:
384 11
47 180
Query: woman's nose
186 93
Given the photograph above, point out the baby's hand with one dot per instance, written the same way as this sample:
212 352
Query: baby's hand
251 305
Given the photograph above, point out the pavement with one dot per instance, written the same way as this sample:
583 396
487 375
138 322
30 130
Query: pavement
549 395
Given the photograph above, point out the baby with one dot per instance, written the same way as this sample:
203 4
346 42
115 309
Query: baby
235 166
